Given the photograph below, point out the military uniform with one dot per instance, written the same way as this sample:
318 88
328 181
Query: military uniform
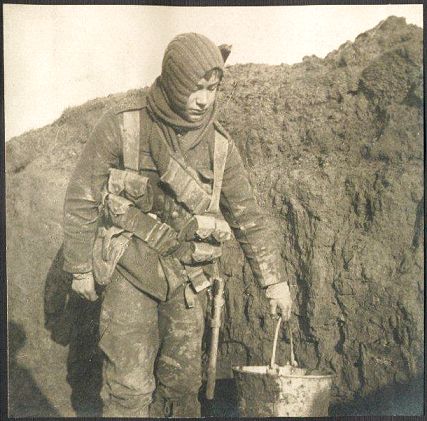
152 317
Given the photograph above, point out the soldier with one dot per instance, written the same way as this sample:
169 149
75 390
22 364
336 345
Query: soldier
142 218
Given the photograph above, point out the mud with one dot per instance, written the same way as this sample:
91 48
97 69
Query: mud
335 151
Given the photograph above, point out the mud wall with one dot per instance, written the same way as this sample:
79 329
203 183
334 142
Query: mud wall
334 147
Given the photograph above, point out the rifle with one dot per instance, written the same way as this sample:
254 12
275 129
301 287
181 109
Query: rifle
218 302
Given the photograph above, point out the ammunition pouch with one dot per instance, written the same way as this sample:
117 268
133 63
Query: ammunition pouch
204 252
194 252
132 186
115 207
128 201
146 226
161 237
198 279
188 191
206 227
198 282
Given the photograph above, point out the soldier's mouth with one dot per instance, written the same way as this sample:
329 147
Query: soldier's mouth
198 112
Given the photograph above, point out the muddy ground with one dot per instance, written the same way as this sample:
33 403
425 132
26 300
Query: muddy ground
334 147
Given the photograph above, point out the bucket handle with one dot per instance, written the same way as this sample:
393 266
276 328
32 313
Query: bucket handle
276 336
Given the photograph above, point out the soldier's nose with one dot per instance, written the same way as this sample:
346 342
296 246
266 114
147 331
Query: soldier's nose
202 101
201 105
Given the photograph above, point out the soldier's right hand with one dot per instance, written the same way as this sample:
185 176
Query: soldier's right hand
84 285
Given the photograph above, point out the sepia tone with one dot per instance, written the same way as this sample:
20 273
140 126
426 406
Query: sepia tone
334 149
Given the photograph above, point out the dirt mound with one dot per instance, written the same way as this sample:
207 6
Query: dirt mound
335 150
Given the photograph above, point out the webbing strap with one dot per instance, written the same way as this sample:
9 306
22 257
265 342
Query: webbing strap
220 156
130 135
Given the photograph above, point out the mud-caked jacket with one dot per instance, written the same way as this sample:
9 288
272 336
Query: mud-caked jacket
104 152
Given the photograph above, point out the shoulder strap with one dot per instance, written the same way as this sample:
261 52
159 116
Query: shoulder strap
131 139
131 102
220 156
221 129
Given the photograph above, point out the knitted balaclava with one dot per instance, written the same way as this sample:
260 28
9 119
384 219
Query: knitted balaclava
187 59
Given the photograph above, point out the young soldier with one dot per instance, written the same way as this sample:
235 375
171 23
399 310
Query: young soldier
142 218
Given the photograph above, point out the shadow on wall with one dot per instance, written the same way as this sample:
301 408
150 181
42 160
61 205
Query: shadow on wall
74 321
224 403
25 397
397 399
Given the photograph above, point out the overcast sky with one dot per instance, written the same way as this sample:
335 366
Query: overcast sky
60 56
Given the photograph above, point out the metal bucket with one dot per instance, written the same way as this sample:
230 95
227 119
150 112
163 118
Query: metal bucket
282 391
288 391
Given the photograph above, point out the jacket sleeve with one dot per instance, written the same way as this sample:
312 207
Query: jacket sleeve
84 193
250 224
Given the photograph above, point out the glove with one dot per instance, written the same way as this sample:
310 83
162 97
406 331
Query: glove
280 299
84 285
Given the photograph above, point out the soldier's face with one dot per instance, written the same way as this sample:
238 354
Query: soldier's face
199 101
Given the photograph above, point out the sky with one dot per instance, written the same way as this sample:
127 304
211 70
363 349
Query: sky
61 56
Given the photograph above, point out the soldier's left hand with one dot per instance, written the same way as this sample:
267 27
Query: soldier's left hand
280 299
84 285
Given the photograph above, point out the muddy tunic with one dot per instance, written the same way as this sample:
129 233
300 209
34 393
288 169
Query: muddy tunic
104 151
136 327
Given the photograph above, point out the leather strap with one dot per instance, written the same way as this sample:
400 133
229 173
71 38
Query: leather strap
220 156
130 135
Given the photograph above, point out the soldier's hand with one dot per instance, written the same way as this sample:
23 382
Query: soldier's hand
84 285
280 299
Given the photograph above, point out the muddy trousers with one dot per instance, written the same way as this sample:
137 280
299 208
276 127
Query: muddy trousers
150 346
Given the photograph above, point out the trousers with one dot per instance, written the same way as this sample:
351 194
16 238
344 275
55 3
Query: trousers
150 346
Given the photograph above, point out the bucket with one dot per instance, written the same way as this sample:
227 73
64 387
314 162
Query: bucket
287 391
282 392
